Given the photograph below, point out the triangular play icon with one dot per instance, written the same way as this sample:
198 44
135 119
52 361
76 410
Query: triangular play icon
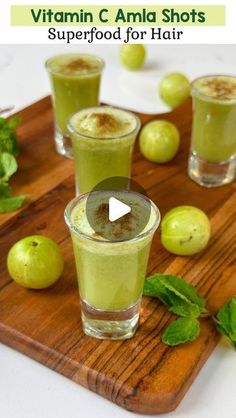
117 209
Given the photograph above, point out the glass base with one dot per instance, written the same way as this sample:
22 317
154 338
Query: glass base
63 144
211 174
117 325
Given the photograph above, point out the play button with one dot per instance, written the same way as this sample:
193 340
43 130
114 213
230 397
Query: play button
117 209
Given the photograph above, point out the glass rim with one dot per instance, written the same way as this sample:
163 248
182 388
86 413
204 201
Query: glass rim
72 130
75 200
78 54
195 91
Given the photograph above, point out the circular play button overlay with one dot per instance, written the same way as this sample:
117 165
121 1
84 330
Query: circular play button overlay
116 213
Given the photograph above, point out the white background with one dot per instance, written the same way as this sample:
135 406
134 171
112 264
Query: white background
192 34
23 78
29 390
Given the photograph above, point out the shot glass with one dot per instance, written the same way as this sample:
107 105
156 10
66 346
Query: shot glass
212 158
75 83
110 272
102 138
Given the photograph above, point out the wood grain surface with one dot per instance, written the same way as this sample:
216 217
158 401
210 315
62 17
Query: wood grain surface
140 374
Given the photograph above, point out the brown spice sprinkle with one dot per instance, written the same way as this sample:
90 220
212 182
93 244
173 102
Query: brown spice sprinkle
120 227
105 122
78 65
102 212
220 88
96 235
123 226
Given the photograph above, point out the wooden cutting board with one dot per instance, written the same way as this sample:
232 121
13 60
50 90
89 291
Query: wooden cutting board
140 374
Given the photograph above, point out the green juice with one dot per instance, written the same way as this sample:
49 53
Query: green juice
102 138
111 273
75 81
111 280
75 84
214 118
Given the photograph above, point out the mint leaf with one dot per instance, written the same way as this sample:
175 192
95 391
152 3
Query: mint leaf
226 320
8 138
185 309
182 307
182 289
8 204
223 317
180 331
14 122
8 166
3 122
154 288
5 189
179 296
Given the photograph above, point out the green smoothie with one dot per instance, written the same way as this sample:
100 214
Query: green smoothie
111 273
75 82
214 118
102 138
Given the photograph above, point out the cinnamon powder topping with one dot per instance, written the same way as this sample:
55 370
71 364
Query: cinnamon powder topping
118 229
102 124
78 65
219 88
102 212
105 122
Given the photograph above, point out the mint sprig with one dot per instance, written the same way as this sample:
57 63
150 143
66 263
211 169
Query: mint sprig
226 320
8 137
181 330
179 296
182 299
186 310
8 165
183 290
11 203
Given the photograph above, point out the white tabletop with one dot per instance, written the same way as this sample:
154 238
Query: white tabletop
30 390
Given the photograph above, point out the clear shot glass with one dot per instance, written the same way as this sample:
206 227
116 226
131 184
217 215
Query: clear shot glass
110 273
212 158
104 149
75 84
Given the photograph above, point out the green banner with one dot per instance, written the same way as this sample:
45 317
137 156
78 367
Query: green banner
88 15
